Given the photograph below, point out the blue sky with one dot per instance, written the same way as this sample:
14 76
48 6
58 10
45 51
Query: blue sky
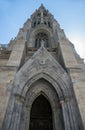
70 14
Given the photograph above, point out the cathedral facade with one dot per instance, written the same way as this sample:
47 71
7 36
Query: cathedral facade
42 78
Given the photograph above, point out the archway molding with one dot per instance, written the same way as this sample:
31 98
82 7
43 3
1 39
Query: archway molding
58 86
43 87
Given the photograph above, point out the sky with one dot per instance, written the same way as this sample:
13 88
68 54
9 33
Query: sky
70 14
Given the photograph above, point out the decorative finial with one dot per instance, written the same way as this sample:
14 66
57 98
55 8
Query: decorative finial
41 5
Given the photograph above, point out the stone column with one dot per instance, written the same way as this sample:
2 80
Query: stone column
15 121
66 115
13 115
42 21
25 119
8 117
74 116
58 121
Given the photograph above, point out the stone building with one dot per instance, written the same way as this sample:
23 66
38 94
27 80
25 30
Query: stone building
42 78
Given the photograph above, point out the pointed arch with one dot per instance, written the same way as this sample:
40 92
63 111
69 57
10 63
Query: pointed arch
48 78
43 87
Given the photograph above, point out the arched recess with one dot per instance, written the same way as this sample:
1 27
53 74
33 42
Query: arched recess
41 37
48 32
38 89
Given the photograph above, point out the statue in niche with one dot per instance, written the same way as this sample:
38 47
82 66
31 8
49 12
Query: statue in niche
41 38
42 43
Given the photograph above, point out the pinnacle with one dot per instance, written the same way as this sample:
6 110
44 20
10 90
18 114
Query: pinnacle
42 6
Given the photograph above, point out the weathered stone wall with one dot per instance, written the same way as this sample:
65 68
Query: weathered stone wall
6 77
17 53
3 62
78 79
76 71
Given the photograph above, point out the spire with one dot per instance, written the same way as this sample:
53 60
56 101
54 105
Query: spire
42 7
41 16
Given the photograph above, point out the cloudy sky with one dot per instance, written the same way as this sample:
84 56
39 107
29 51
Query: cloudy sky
69 13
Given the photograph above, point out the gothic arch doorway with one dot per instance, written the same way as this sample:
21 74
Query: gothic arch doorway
45 111
41 114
